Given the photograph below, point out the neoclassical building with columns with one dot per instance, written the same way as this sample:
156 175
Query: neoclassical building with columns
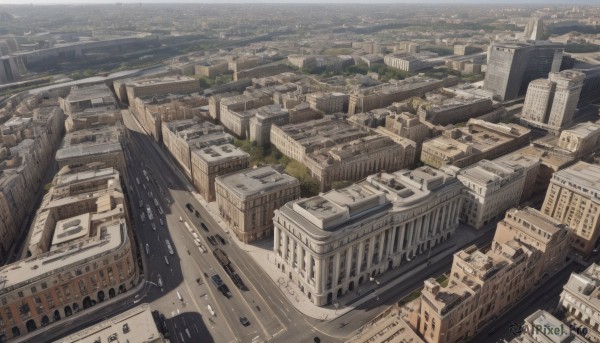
334 242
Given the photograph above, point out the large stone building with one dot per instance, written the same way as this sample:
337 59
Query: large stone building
535 29
579 301
212 161
90 106
512 65
542 326
160 86
101 145
581 140
81 253
491 187
573 197
359 158
385 95
235 112
482 285
478 140
332 243
246 200
551 103
134 325
454 111
329 103
409 126
407 61
264 117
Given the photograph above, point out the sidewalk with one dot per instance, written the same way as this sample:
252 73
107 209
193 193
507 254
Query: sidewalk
263 255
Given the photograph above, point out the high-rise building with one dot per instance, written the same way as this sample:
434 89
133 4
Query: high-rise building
535 29
551 103
573 197
512 65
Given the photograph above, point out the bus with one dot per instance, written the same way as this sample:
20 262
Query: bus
169 247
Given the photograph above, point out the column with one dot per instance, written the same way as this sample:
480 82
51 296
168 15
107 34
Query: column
390 248
300 258
310 267
319 275
276 244
370 255
284 240
400 246
381 242
359 257
411 233
336 270
348 262
427 224
436 229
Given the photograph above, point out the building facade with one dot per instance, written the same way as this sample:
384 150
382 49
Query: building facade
246 200
332 243
579 301
573 197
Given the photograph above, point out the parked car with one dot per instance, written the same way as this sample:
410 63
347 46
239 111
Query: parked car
244 321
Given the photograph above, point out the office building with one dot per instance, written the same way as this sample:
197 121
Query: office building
161 86
334 242
264 117
246 200
542 326
513 65
573 197
329 103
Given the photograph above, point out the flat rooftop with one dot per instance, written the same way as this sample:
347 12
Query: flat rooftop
134 325
583 175
219 153
98 94
248 182
538 224
161 80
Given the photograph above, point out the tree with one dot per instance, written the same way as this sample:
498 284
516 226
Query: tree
340 184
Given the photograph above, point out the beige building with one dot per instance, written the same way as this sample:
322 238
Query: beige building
580 301
573 197
334 242
160 86
264 117
213 70
531 167
212 161
484 285
543 327
359 158
100 145
390 326
134 325
246 200
478 140
235 112
81 253
329 103
409 126
581 140
491 187
407 61
90 106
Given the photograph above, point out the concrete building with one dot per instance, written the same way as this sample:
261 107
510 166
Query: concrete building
512 65
212 161
409 126
181 136
264 117
261 71
407 62
81 253
535 29
454 111
542 326
385 95
134 325
246 200
154 113
332 243
551 103
389 326
479 140
160 86
581 140
573 197
329 103
212 70
579 301
490 189
484 285
465 49
531 166
235 112
356 159
100 145
83 98
9 69
214 105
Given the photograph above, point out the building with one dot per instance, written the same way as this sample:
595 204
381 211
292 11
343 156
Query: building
389 326
385 95
573 197
542 326
160 86
465 49
512 65
531 166
535 29
261 71
181 136
409 126
581 140
579 301
551 103
212 161
359 158
482 285
100 145
329 103
214 105
490 189
264 117
134 325
332 243
407 61
454 111
246 200
81 253
235 112
82 98
212 70
478 140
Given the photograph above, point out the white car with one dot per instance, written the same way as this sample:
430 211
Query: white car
180 219
211 311
159 281
167 260
161 222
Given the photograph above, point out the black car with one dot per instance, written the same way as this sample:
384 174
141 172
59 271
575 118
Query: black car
212 240
223 241
197 214
189 207
244 321
204 227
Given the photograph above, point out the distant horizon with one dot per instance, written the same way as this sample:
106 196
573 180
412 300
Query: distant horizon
366 2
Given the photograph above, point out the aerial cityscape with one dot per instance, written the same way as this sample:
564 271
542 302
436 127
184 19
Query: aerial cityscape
282 171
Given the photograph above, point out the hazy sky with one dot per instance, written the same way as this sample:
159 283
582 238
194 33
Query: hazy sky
299 1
